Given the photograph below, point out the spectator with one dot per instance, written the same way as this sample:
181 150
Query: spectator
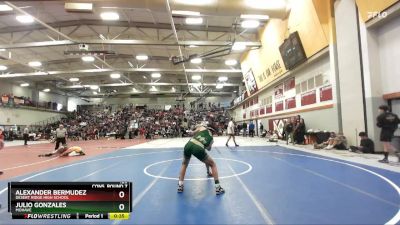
244 127
1 139
294 124
300 131
366 144
238 129
130 133
274 137
251 129
96 134
11 134
329 142
297 118
26 135
339 143
288 131
261 128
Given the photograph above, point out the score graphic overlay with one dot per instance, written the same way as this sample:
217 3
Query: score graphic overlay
70 200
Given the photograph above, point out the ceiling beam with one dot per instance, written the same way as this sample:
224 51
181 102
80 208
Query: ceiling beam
38 20
225 71
163 26
168 93
250 44
121 56
176 39
149 84
184 84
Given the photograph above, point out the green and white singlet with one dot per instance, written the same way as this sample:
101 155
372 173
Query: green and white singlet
197 145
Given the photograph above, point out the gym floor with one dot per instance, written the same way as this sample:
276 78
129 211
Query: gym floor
265 184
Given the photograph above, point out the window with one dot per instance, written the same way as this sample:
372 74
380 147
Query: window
304 86
264 101
269 100
319 80
311 83
298 89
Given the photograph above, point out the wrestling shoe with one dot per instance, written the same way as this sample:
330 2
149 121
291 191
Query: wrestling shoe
236 145
383 161
209 174
180 188
226 145
219 190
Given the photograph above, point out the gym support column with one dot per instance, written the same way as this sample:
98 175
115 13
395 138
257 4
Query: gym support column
372 78
349 77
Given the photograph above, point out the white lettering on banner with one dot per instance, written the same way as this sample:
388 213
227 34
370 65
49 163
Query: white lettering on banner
374 14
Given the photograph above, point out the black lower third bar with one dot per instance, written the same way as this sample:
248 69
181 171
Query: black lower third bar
59 216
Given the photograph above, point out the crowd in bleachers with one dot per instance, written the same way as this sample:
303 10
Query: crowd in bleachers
129 122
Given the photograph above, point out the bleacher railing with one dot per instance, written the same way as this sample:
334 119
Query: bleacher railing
26 103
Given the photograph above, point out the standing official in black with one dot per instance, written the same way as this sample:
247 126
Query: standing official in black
388 122
61 135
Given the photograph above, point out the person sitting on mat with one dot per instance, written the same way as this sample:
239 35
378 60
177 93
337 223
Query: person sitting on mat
339 143
274 137
65 151
366 144
201 140
327 143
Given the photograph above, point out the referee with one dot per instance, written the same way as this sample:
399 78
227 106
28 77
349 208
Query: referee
231 133
61 135
388 122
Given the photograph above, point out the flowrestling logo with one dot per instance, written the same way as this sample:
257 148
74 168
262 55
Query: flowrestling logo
374 14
